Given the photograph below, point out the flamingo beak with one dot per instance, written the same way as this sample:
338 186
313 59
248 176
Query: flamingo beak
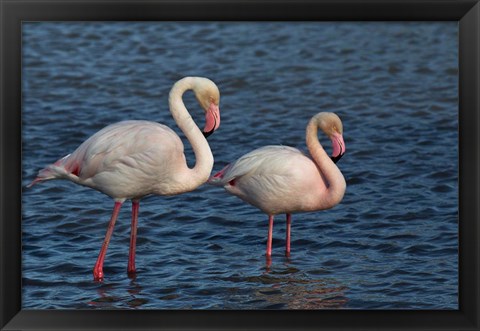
212 120
338 147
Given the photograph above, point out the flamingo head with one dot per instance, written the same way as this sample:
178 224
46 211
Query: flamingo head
208 96
331 124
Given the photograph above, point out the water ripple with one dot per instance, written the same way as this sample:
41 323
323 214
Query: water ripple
392 243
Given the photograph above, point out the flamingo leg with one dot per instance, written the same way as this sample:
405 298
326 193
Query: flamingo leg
268 263
133 237
287 235
270 233
98 269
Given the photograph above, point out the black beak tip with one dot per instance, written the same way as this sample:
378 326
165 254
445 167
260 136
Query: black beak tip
207 134
336 158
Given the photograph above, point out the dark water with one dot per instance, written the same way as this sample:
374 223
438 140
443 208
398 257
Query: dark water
390 244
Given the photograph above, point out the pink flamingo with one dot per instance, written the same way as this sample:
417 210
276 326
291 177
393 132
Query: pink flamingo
133 159
281 179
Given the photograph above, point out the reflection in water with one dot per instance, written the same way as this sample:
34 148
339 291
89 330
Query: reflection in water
306 294
135 288
104 298
107 298
289 288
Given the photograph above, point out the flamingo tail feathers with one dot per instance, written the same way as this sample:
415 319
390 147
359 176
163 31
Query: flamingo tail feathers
219 178
57 170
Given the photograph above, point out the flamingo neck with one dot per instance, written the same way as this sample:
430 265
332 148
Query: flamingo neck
333 177
190 177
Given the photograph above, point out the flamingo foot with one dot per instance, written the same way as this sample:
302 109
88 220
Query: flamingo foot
133 238
287 235
268 263
131 270
132 273
97 273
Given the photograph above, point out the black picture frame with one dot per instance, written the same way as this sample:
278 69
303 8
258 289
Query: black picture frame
13 12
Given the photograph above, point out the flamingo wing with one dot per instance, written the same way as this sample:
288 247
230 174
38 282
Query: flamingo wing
131 144
267 160
134 147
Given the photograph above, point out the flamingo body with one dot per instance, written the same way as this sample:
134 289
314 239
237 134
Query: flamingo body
125 160
281 179
275 179
132 159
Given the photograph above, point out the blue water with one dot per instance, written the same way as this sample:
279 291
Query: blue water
390 244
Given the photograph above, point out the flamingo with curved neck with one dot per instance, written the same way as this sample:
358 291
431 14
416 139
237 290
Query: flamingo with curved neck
133 159
281 179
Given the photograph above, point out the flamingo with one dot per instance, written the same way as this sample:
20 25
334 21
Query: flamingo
136 158
281 179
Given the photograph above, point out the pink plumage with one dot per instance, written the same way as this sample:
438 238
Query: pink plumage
133 159
281 179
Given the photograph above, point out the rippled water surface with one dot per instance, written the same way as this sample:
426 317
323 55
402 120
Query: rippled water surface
390 244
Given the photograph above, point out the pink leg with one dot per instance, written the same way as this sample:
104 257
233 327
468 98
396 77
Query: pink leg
287 239
270 233
98 269
133 237
268 263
